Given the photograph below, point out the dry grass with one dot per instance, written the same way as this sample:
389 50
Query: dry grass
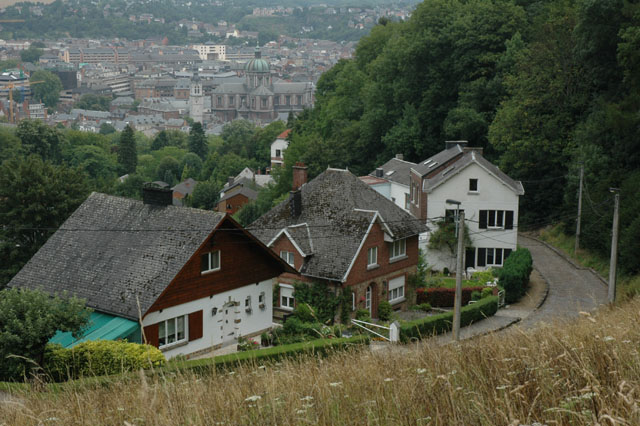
579 373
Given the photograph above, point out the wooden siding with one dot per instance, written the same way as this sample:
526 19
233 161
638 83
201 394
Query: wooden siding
242 262
195 325
151 334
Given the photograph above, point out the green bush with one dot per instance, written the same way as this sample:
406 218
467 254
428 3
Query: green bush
486 292
98 358
483 276
363 315
384 311
426 307
441 323
476 295
514 275
304 312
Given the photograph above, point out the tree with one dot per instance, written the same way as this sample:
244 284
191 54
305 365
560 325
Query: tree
47 92
198 141
160 141
40 139
127 153
444 239
37 197
205 195
237 138
28 320
107 129
94 102
193 163
168 170
32 54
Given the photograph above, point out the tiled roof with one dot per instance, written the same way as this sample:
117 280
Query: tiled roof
397 171
431 163
114 251
338 209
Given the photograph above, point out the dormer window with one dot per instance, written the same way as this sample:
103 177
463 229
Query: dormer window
210 262
287 256
473 185
372 257
398 249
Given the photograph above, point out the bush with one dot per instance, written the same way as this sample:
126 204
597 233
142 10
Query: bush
304 312
384 311
514 275
483 276
425 307
363 315
441 323
98 358
476 295
486 292
443 297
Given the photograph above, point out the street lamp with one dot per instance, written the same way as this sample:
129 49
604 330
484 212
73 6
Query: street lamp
458 298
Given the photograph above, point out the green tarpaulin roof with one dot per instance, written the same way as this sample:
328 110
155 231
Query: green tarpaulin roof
101 327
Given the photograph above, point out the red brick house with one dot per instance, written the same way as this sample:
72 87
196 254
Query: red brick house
339 231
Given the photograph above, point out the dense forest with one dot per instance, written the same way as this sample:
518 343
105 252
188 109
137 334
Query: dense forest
542 86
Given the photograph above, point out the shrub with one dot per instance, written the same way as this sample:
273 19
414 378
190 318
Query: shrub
486 292
443 297
425 307
98 358
441 323
483 276
476 295
304 312
363 315
514 275
384 311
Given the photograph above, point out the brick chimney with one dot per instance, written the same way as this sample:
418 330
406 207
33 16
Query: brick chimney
299 176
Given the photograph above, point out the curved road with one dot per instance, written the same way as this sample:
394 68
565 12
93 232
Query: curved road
571 289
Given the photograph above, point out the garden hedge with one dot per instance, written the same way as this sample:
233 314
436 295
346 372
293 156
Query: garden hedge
514 275
98 358
441 323
443 297
319 347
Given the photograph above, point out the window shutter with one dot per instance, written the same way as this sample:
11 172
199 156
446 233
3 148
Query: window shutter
508 219
482 223
151 334
482 257
195 325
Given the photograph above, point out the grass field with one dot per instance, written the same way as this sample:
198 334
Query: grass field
581 373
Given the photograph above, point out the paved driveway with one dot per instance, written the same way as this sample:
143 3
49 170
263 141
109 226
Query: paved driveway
571 289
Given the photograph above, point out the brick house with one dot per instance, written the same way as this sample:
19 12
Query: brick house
339 231
181 272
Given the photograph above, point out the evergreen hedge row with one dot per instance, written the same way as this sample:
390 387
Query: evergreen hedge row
514 275
441 323
443 297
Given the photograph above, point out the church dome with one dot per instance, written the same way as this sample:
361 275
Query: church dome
257 64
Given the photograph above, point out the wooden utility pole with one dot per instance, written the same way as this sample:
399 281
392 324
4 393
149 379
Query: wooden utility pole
458 299
613 264
575 250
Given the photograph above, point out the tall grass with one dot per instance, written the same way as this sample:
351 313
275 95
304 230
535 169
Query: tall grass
580 373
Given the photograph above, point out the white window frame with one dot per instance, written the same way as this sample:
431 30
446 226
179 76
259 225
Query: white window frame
498 223
473 191
353 301
396 289
163 326
210 257
287 299
398 249
494 252
372 256
288 256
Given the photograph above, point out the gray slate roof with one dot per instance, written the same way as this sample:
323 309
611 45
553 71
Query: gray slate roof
425 167
247 192
401 171
332 205
112 249
467 159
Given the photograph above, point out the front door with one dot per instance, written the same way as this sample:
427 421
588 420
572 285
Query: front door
367 301
228 323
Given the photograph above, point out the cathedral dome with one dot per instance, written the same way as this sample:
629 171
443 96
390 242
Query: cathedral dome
257 64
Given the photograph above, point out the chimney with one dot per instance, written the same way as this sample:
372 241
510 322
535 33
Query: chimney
156 194
451 144
295 203
230 180
379 172
299 176
399 157
478 150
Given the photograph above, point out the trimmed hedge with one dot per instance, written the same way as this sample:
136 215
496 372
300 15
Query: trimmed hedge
443 297
442 323
98 358
319 347
514 275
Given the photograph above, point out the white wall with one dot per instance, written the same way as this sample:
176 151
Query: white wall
280 144
398 192
258 320
492 195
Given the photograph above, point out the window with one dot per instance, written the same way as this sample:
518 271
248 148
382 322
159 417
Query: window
264 102
372 256
299 100
287 256
261 304
496 219
353 300
288 100
396 290
287 301
278 153
210 262
247 304
231 100
219 100
398 248
492 256
406 201
473 185
172 331
450 214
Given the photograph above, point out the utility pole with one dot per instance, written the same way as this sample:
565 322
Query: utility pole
575 250
458 298
614 247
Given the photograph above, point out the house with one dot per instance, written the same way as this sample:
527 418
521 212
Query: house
278 147
236 196
392 180
487 195
183 190
194 279
339 231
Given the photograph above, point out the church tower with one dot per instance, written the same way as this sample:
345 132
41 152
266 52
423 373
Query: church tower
196 99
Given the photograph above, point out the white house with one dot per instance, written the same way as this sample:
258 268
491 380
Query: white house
278 148
392 180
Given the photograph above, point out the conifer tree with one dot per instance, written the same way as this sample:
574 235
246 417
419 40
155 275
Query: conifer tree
198 141
127 155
